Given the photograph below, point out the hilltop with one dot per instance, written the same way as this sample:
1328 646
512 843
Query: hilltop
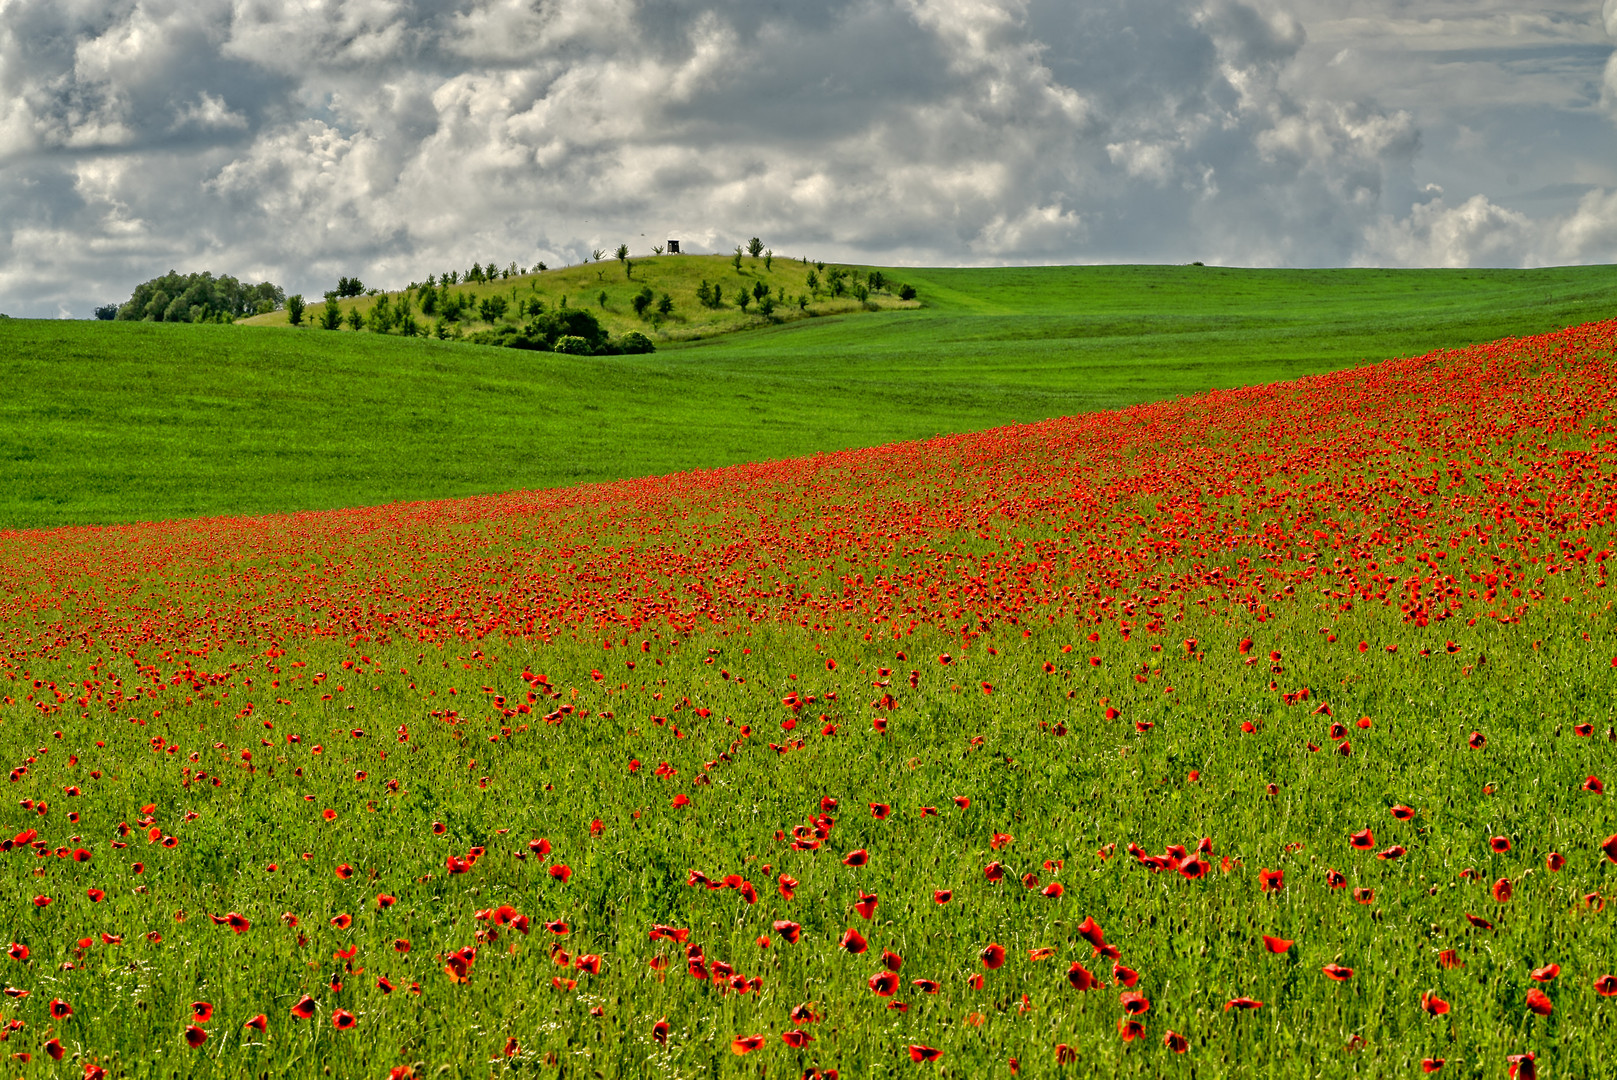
794 289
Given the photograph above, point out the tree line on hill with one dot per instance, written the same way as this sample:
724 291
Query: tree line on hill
195 298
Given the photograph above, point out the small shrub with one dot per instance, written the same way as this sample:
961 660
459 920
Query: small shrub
573 345
634 342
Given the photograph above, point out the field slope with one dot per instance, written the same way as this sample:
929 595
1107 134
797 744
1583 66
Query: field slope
127 421
1263 732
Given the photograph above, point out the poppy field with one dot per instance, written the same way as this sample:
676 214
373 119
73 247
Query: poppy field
1262 732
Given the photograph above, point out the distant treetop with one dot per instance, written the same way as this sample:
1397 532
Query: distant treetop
199 298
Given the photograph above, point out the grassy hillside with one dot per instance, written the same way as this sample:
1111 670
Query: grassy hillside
109 422
680 277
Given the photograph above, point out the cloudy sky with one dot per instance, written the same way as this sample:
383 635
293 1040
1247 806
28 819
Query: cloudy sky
300 140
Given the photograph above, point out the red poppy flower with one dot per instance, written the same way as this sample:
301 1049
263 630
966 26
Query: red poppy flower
1338 972
796 1038
942 896
1176 1042
1431 1065
853 942
95 895
17 952
258 1023
1606 986
1271 880
1277 944
1053 890
195 1036
1364 840
1478 921
342 1019
1539 1002
746 1044
993 956
1193 869
59 1009
1476 740
561 872
883 984
589 964
926 986
1126 977
1503 890
1434 1004
1336 879
891 960
1134 1004
924 1053
962 801
1546 973
1242 1003
857 857
1609 846
201 1011
401 945
866 907
342 922
1079 977
1394 852
1499 845
1091 931
1402 813
1523 1066
1554 862
994 871
1130 1028
1593 784
53 1047
304 1007
880 811
42 901
790 931
383 900
1448 958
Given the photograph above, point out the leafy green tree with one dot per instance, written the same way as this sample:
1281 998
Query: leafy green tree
355 320
429 299
573 345
743 297
861 292
718 295
759 290
735 260
107 312
766 306
877 280
755 247
198 298
906 292
665 305
601 299
331 316
294 309
813 282
534 307
704 294
635 342
769 258
642 300
597 254
656 249
380 319
622 253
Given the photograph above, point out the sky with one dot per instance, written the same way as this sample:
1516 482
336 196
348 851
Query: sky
297 141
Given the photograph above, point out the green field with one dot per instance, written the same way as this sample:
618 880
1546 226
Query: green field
109 422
